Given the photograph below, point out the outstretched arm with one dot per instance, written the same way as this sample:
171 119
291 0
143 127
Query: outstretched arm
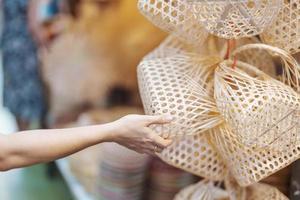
38 146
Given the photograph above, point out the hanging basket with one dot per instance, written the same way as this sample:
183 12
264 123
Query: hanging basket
247 164
196 155
262 111
174 17
203 190
236 19
285 30
180 86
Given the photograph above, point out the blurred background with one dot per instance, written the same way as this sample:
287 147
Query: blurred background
69 63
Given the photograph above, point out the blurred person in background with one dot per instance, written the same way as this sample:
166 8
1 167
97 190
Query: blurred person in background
23 89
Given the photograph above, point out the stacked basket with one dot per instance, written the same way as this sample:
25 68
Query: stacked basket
235 106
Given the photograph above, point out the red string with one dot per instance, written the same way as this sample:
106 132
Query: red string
231 45
228 50
234 62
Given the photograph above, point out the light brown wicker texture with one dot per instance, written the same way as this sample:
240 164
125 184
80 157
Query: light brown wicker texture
285 30
249 165
180 86
236 19
255 56
202 191
172 45
261 110
235 191
174 17
196 155
290 68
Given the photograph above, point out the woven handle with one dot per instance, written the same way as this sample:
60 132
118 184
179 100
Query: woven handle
244 70
291 69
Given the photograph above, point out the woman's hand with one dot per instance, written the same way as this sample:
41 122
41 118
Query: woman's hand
39 146
134 133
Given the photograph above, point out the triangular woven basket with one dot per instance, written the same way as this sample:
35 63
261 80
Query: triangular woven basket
262 111
174 17
180 86
196 155
285 30
249 165
203 190
236 19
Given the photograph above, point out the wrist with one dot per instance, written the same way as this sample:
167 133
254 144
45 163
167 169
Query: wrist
109 131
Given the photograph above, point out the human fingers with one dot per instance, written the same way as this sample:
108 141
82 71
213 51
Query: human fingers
156 139
158 119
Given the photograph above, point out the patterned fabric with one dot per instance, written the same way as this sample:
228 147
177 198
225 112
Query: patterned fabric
23 92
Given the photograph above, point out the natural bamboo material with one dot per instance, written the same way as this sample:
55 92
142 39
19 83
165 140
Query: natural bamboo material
255 56
203 190
259 108
290 67
196 155
174 17
247 164
172 45
235 19
285 30
180 86
235 191
262 111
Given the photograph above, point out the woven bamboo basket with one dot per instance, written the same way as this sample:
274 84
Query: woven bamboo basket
203 190
235 191
196 155
170 47
247 164
262 111
235 19
174 17
180 86
285 30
